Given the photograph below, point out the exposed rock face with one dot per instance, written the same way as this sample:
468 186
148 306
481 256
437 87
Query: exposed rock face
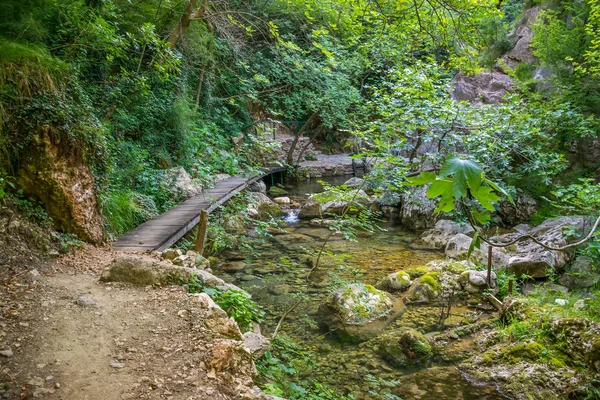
482 88
443 231
58 176
215 319
523 209
404 348
581 338
521 38
179 182
417 210
581 274
258 186
351 310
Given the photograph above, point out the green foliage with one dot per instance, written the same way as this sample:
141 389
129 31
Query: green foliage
460 179
282 368
123 211
237 304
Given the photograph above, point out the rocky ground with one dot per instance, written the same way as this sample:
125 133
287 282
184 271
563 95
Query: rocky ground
65 335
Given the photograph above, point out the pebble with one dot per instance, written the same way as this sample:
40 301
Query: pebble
116 365
6 353
85 301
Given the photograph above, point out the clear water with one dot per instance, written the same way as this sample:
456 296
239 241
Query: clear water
277 273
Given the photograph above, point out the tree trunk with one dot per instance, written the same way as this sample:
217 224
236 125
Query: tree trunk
290 155
184 22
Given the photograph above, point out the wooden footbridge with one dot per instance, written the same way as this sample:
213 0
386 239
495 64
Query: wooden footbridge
163 231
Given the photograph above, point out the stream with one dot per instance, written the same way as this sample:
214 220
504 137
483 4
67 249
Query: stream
276 273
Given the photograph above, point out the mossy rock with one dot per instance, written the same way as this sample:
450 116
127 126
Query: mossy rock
404 348
268 210
425 289
275 191
416 272
397 281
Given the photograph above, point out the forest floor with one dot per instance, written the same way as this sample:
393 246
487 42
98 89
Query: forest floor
65 335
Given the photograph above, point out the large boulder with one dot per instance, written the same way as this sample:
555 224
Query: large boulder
458 249
404 348
57 174
443 231
417 211
315 209
582 274
532 259
482 88
351 311
439 283
143 270
262 207
215 319
179 182
523 209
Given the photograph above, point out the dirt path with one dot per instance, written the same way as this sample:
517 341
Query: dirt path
75 338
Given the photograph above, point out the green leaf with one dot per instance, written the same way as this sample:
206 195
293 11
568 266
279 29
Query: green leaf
441 187
482 217
446 203
455 165
485 195
475 243
499 189
423 179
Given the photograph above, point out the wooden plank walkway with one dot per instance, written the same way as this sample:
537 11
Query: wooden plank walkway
163 231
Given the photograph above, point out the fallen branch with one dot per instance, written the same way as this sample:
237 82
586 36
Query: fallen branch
283 317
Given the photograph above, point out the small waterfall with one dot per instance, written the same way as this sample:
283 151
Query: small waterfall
291 215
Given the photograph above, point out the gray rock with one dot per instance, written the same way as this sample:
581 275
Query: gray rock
282 200
142 270
482 88
85 301
258 187
417 211
171 254
256 343
33 276
523 209
179 182
6 353
116 365
313 209
581 274
443 231
476 281
355 183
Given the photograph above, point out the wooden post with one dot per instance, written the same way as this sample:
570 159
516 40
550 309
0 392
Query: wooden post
201 236
489 271
510 287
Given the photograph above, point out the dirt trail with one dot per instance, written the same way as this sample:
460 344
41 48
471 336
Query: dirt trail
116 342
